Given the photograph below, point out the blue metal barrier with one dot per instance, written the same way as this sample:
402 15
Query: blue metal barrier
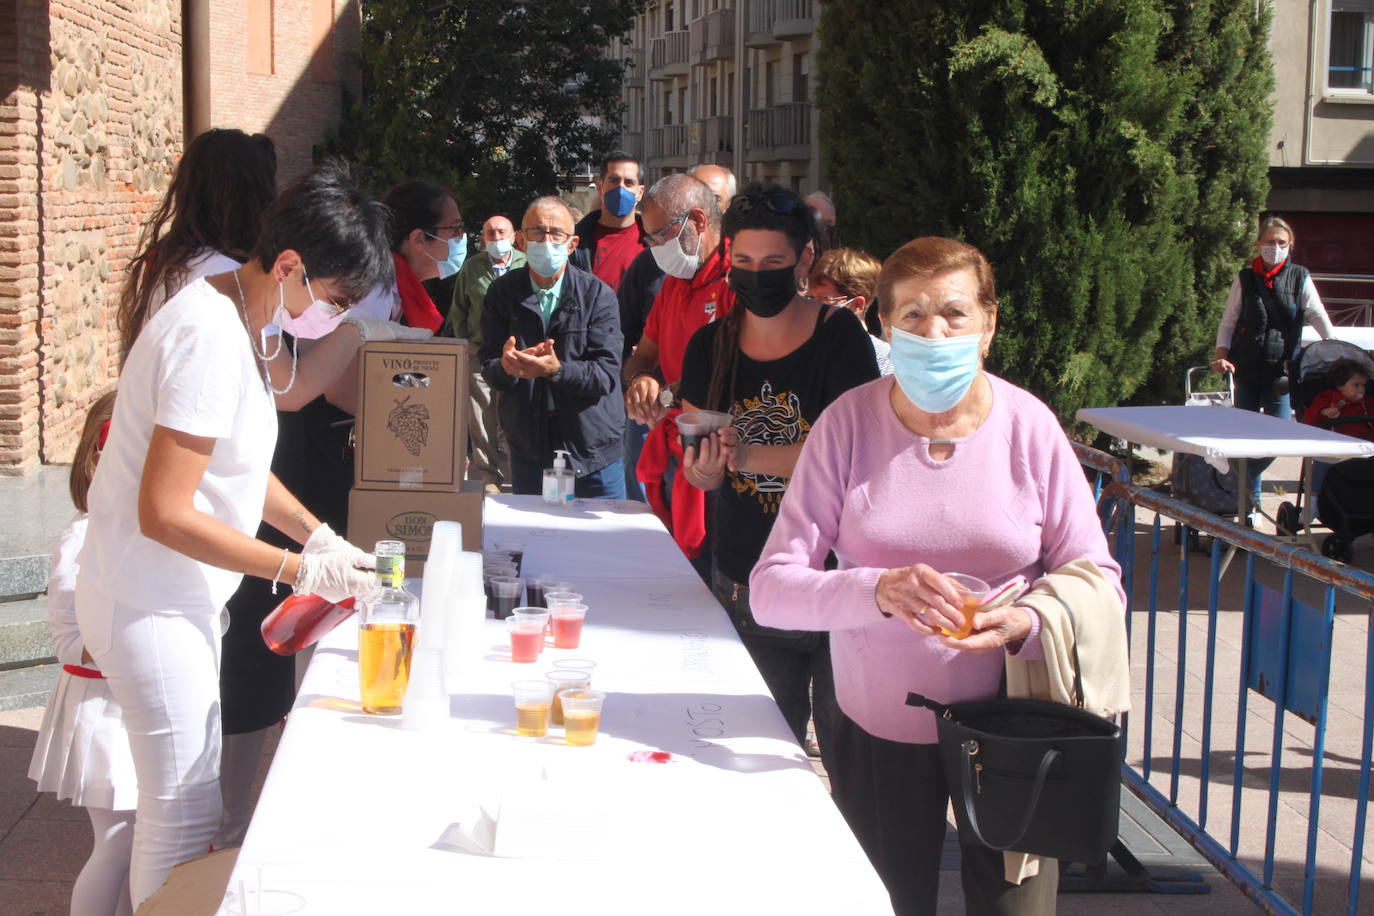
1285 652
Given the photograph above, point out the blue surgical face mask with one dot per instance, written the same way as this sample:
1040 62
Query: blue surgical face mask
499 249
935 373
546 258
457 254
619 200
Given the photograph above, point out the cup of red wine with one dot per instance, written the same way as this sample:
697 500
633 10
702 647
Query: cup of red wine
696 425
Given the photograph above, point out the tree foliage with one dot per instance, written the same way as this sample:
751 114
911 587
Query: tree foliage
1076 143
494 100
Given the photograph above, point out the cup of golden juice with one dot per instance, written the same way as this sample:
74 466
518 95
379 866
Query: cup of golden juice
565 679
973 591
581 716
533 700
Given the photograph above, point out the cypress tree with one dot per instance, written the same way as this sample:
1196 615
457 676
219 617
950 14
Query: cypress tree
1048 134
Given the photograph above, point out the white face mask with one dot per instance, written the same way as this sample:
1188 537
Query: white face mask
674 261
498 249
1273 253
316 321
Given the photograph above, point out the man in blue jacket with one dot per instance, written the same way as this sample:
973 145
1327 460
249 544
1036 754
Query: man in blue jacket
551 349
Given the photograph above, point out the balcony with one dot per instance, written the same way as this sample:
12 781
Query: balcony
717 139
773 21
634 68
668 55
668 142
778 133
713 37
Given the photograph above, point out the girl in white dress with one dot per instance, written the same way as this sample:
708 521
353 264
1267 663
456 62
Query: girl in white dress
82 753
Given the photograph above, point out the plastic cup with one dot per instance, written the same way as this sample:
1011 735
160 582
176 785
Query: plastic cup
536 615
565 679
505 595
696 425
565 621
526 638
577 664
515 550
536 589
533 700
561 599
581 716
973 590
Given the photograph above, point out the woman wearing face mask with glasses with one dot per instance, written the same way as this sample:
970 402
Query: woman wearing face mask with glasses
773 363
183 481
1261 329
940 468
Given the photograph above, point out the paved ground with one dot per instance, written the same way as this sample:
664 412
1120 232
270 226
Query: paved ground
43 843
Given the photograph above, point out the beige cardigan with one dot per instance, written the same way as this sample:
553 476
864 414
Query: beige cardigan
1099 628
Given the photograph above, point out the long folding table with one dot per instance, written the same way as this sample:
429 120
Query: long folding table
695 797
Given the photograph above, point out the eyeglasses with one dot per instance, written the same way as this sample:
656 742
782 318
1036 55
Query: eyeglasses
458 228
542 233
658 238
779 201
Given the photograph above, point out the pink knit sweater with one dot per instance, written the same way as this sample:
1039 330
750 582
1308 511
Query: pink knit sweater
1012 500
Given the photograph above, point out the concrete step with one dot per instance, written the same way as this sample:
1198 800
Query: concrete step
23 688
24 636
24 576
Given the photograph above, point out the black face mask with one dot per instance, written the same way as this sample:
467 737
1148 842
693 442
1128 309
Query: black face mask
764 292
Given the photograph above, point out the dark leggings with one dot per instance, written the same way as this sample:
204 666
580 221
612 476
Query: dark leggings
895 798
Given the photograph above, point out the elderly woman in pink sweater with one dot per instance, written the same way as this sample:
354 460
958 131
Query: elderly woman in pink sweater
940 468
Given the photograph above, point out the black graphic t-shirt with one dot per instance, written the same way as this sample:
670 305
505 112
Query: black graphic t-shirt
775 403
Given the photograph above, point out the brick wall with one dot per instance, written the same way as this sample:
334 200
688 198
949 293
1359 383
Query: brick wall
299 102
91 123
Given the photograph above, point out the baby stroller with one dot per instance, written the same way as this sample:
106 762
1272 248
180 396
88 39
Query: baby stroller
1345 491
1191 478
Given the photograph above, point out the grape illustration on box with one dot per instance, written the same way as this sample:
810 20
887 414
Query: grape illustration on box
410 424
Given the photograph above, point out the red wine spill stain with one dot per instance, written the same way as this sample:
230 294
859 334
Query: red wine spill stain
649 757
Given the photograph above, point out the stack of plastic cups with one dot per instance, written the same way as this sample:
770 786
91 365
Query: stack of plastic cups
466 617
426 701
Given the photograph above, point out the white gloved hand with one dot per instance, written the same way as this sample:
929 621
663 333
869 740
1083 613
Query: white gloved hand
324 540
381 329
333 575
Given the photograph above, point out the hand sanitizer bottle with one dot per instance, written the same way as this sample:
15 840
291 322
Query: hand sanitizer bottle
559 480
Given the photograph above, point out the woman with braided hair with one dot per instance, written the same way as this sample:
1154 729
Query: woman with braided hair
773 365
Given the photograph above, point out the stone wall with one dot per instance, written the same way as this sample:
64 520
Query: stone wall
96 130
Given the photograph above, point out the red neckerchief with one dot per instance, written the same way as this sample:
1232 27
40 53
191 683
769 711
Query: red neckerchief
416 307
1257 265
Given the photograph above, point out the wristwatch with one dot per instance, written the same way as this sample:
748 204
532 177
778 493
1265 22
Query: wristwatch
667 398
556 375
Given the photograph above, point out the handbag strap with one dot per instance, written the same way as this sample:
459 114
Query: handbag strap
967 751
1077 668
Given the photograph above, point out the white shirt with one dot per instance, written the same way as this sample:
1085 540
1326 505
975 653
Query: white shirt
205 263
66 636
1314 312
192 370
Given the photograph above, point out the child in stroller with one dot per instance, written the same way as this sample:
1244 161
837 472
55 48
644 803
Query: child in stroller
1345 492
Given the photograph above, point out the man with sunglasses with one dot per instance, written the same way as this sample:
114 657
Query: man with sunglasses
551 350
682 224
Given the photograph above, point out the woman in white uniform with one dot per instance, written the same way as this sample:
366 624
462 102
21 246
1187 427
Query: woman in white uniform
184 481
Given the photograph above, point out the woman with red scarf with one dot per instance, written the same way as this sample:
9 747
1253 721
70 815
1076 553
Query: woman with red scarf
1261 328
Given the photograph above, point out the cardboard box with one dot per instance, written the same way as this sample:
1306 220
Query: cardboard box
409 516
412 416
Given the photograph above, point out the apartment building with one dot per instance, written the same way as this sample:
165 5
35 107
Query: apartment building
725 81
1321 154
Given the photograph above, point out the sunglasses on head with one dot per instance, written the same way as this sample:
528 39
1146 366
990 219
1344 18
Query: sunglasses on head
779 201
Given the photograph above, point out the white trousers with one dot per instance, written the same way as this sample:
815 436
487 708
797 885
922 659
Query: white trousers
163 668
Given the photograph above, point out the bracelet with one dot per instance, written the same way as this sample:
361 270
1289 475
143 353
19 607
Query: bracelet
280 568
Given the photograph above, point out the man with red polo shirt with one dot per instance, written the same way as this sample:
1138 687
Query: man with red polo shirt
614 234
682 225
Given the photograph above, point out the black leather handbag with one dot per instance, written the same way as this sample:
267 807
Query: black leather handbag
1031 775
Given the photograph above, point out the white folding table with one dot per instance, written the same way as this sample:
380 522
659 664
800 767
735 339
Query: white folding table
1220 434
357 815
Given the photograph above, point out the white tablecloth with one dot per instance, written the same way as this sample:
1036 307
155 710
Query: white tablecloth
354 808
1219 433
1360 337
